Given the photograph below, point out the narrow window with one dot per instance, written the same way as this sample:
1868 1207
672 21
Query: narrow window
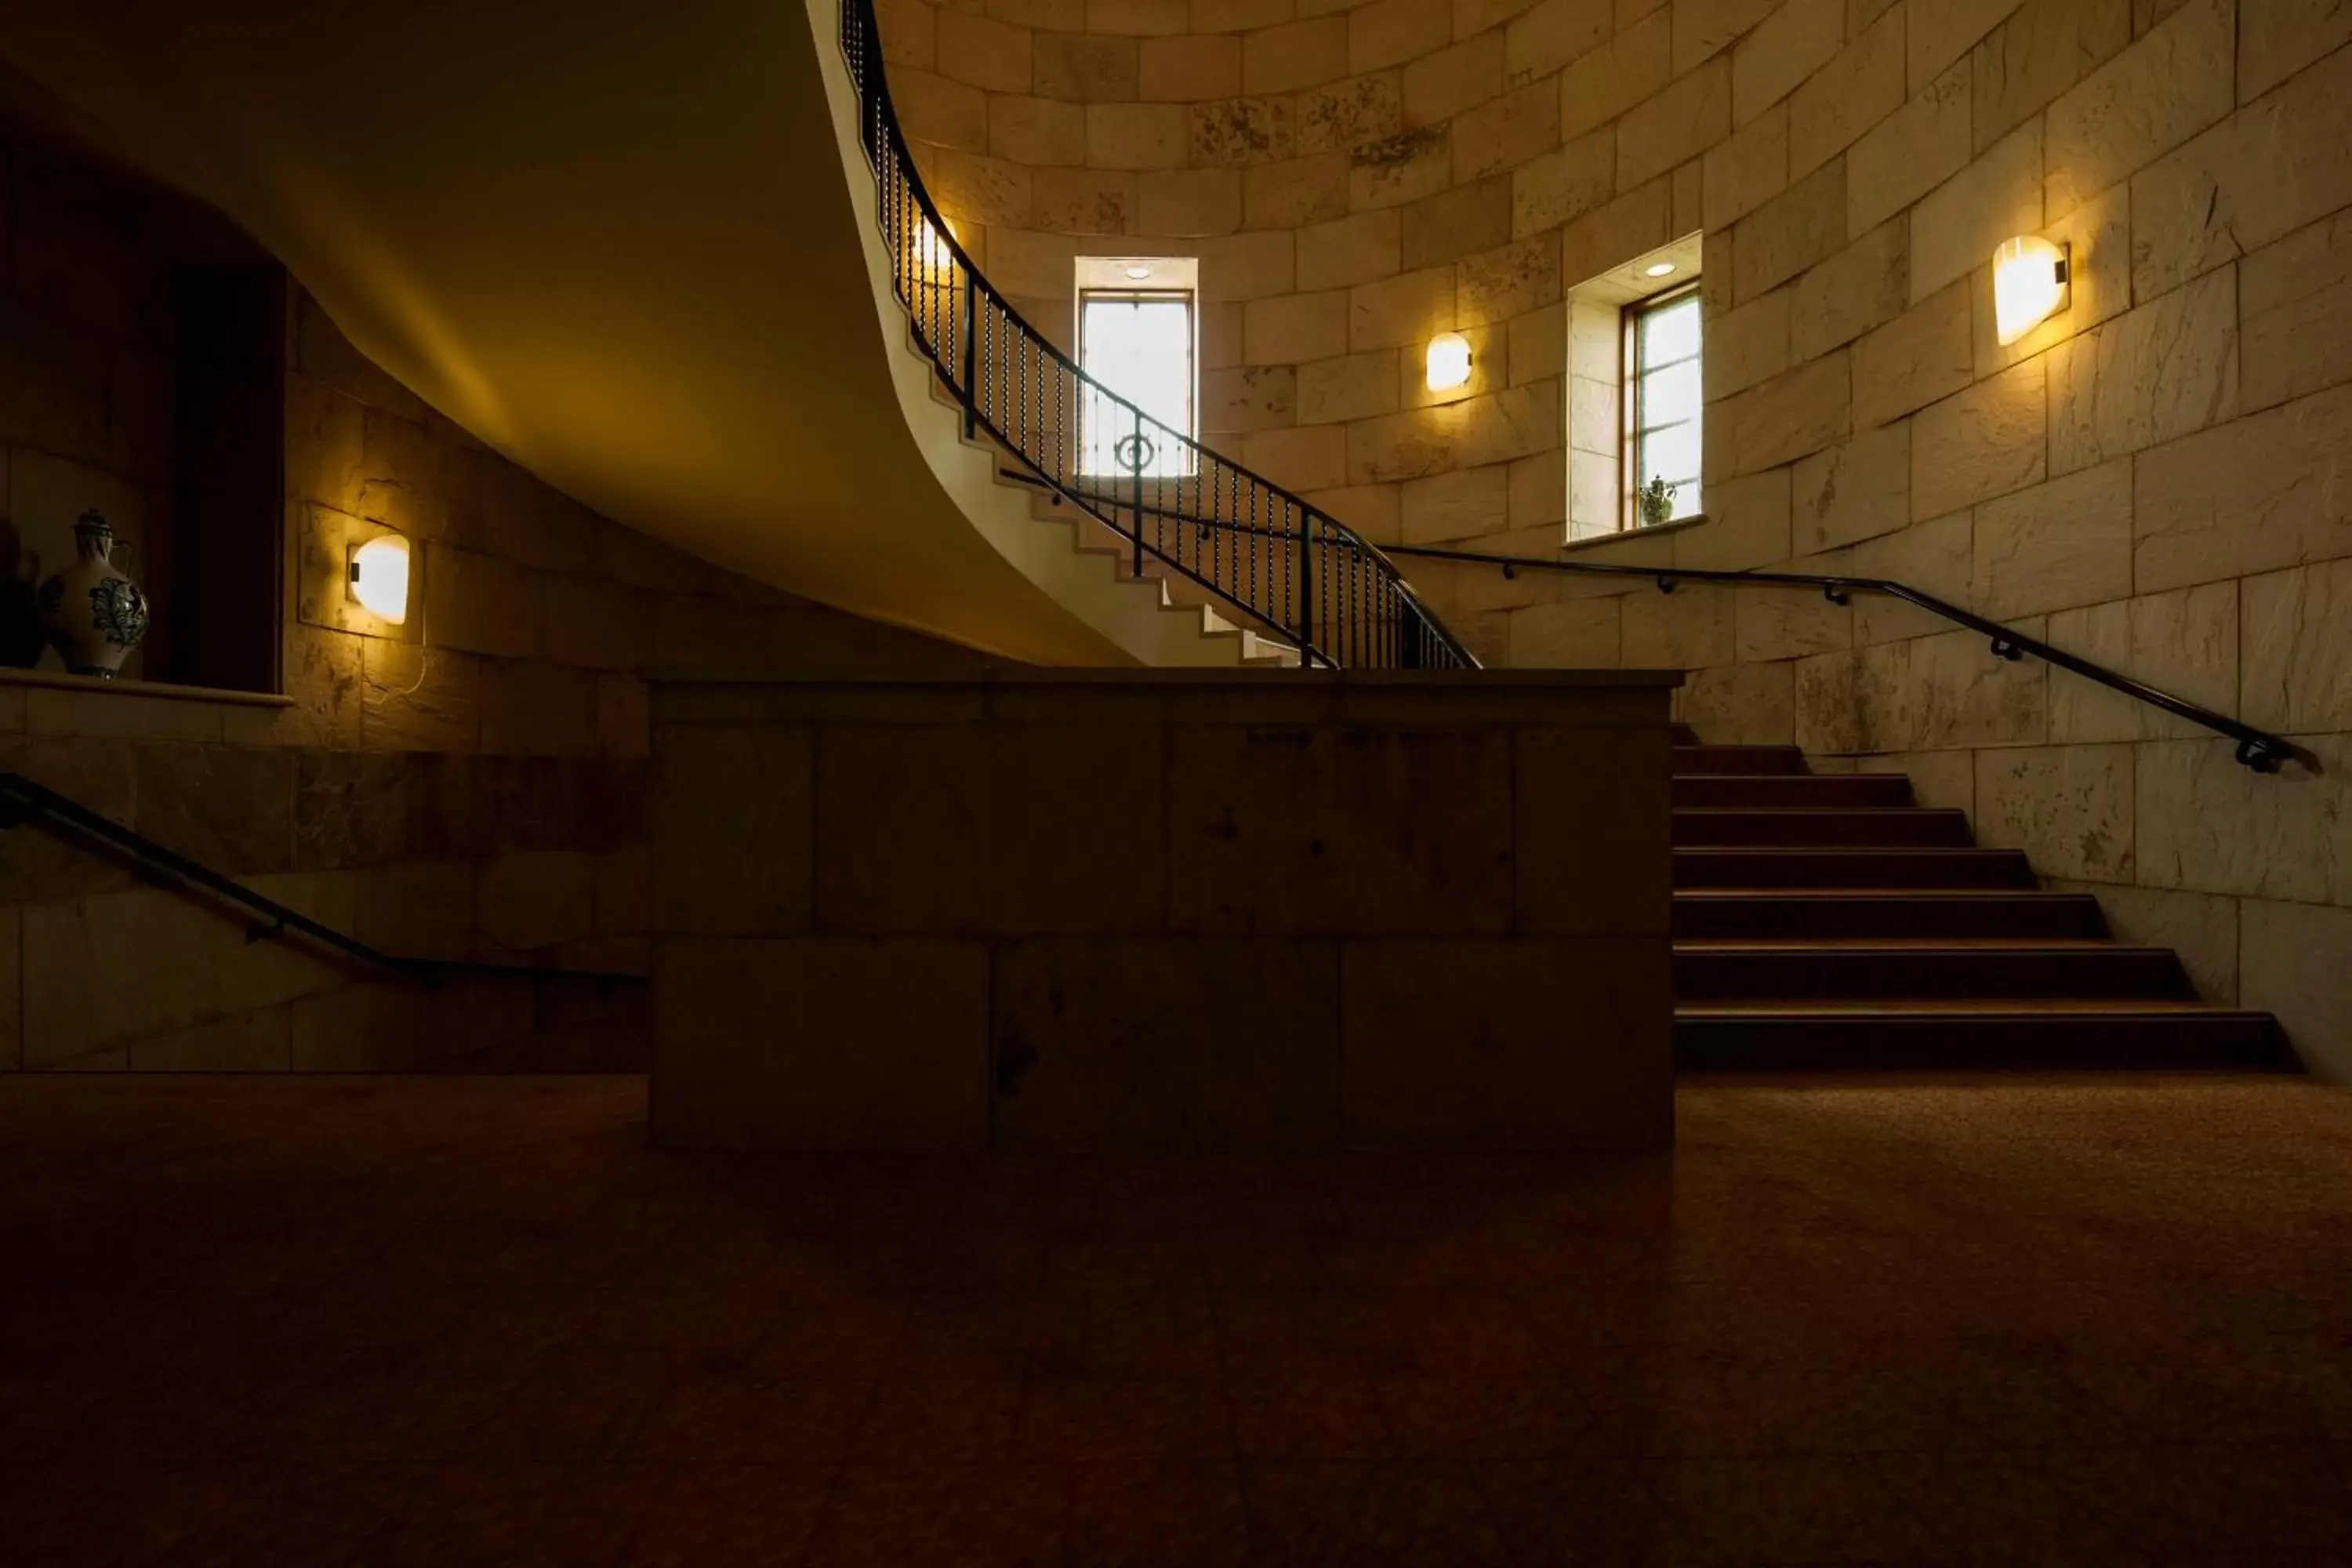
1137 343
1662 406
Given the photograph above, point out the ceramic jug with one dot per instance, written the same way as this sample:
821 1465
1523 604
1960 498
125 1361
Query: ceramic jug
94 615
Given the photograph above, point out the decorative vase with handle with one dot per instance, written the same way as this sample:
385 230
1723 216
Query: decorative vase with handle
94 615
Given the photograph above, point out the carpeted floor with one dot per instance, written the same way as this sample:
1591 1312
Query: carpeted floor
458 1322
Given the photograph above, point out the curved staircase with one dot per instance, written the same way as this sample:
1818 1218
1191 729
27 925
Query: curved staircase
1827 921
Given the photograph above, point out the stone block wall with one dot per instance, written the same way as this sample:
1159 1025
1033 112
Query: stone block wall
1155 909
470 785
2153 478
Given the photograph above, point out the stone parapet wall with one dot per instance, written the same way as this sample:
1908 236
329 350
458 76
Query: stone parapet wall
2153 478
1274 910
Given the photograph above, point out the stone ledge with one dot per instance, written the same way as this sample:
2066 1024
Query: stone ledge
60 680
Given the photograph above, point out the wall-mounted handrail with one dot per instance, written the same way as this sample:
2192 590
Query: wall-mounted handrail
2257 749
23 801
1284 563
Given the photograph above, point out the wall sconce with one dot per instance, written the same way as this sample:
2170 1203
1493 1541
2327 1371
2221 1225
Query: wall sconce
2029 285
379 577
1449 362
934 256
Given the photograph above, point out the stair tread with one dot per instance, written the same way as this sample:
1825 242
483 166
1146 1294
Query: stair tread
1911 946
1959 1007
1880 895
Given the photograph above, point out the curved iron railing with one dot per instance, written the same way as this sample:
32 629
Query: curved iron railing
1291 568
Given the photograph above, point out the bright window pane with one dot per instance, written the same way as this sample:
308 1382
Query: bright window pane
1671 332
1671 395
1667 404
1671 453
1141 350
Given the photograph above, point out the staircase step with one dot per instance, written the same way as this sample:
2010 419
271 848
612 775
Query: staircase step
2147 1036
1911 868
1801 790
1748 760
1925 971
1798 826
1847 913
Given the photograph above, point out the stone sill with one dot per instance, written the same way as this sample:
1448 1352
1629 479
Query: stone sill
1647 530
91 685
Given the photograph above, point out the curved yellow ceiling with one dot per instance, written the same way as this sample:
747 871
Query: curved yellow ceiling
614 239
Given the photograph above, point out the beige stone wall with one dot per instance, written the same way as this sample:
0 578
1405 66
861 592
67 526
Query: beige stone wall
470 786
1159 910
2153 478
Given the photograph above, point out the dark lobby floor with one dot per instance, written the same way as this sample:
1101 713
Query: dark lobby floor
450 1322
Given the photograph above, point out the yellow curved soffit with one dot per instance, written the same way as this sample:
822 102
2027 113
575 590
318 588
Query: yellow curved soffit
614 239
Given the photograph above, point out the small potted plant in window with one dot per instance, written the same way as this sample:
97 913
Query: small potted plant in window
1657 501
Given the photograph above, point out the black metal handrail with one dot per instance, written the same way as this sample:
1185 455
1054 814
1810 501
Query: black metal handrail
1285 563
2257 749
22 801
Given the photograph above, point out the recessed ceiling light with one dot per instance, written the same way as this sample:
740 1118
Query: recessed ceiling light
1657 268
1138 272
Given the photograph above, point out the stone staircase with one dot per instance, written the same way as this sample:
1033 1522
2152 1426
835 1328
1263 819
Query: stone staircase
1825 920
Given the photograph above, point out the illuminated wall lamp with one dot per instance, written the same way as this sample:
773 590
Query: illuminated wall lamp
2030 285
379 577
1449 362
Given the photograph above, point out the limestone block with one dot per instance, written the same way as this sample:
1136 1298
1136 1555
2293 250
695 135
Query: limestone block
1246 266
2295 303
2044 48
1691 115
1862 287
1802 225
1441 85
420 909
1036 131
1142 18
1456 223
1402 168
2058 545
2278 37
2201 927
1407 309
1189 69
1854 702
1982 442
1617 231
2294 968
1295 54
1350 387
2163 371
1291 329
1563 1044
1249 397
2185 642
535 899
1789 623
1183 1044
1603 83
1935 558
2254 495
1297 191
1245 130
1787 47
1920 357
1746 170
1393 32
1190 202
1954 228
1967 697
1593 411
1240 15
2265 172
1539 493
1747 525
1747 346
937 830
1460 505
1705 27
2207 824
970 189
933 108
1281 830
1597 501
1342 116
418 699
1311 458
2298 648
1514 423
533 707
732 832
1947 31
2068 808
1688 630
1137 135
1350 250
1081 69
2097 233
909 34
821 1045
325 445
983 51
1563 183
2151 97
1910 153
1405 446
1852 491
1861 85
1551 35
1790 416
1743 704
594 624
1509 280
1571 634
